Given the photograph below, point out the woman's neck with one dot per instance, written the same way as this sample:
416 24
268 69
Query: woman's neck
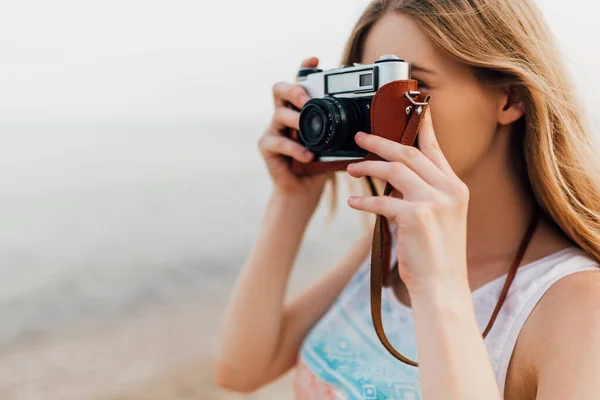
500 210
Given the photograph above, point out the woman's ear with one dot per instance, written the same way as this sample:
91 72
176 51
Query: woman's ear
511 105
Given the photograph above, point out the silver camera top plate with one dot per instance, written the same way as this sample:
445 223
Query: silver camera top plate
354 81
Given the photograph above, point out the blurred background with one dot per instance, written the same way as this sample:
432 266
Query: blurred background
131 186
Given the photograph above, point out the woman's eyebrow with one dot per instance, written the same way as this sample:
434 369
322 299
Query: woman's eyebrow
418 68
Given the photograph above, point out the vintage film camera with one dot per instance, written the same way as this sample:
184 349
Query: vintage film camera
377 98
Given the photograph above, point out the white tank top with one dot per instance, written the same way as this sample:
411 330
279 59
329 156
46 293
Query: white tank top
342 358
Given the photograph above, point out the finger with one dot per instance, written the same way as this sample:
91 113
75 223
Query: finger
277 144
387 206
408 155
311 62
285 117
401 177
430 147
289 92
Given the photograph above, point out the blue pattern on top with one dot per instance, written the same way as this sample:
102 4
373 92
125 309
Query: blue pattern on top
343 349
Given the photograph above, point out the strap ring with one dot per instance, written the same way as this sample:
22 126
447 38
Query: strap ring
409 95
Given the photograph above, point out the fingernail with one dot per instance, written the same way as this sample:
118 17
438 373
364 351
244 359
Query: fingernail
308 154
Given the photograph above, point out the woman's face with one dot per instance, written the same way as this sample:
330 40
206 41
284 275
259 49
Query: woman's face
465 112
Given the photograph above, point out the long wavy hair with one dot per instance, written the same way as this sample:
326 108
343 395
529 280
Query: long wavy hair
507 42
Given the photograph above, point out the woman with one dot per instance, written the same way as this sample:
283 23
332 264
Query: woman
504 135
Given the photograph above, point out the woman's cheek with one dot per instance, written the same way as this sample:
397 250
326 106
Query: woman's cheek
453 124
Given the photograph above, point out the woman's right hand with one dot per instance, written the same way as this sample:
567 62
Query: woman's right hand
275 146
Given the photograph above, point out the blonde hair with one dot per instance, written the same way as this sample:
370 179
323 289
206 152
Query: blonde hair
507 42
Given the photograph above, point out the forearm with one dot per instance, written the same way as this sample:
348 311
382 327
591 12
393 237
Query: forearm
453 360
253 317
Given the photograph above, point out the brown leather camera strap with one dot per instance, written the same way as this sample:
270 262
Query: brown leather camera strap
380 262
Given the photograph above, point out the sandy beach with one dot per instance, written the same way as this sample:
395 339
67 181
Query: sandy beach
156 352
163 352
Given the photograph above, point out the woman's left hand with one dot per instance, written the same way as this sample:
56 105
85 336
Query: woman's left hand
428 203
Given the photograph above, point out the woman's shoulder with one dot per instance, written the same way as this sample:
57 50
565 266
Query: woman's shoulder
571 300
563 330
575 287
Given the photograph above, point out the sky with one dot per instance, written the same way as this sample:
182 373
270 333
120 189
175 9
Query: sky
183 59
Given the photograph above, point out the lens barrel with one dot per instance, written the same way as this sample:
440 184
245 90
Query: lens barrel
330 123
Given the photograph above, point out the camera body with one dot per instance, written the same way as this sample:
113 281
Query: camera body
379 98
340 105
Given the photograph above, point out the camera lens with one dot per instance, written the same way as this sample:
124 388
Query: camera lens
329 123
314 124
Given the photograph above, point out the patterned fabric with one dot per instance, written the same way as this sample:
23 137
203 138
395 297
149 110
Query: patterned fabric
342 358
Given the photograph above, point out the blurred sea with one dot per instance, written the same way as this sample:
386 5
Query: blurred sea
99 218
